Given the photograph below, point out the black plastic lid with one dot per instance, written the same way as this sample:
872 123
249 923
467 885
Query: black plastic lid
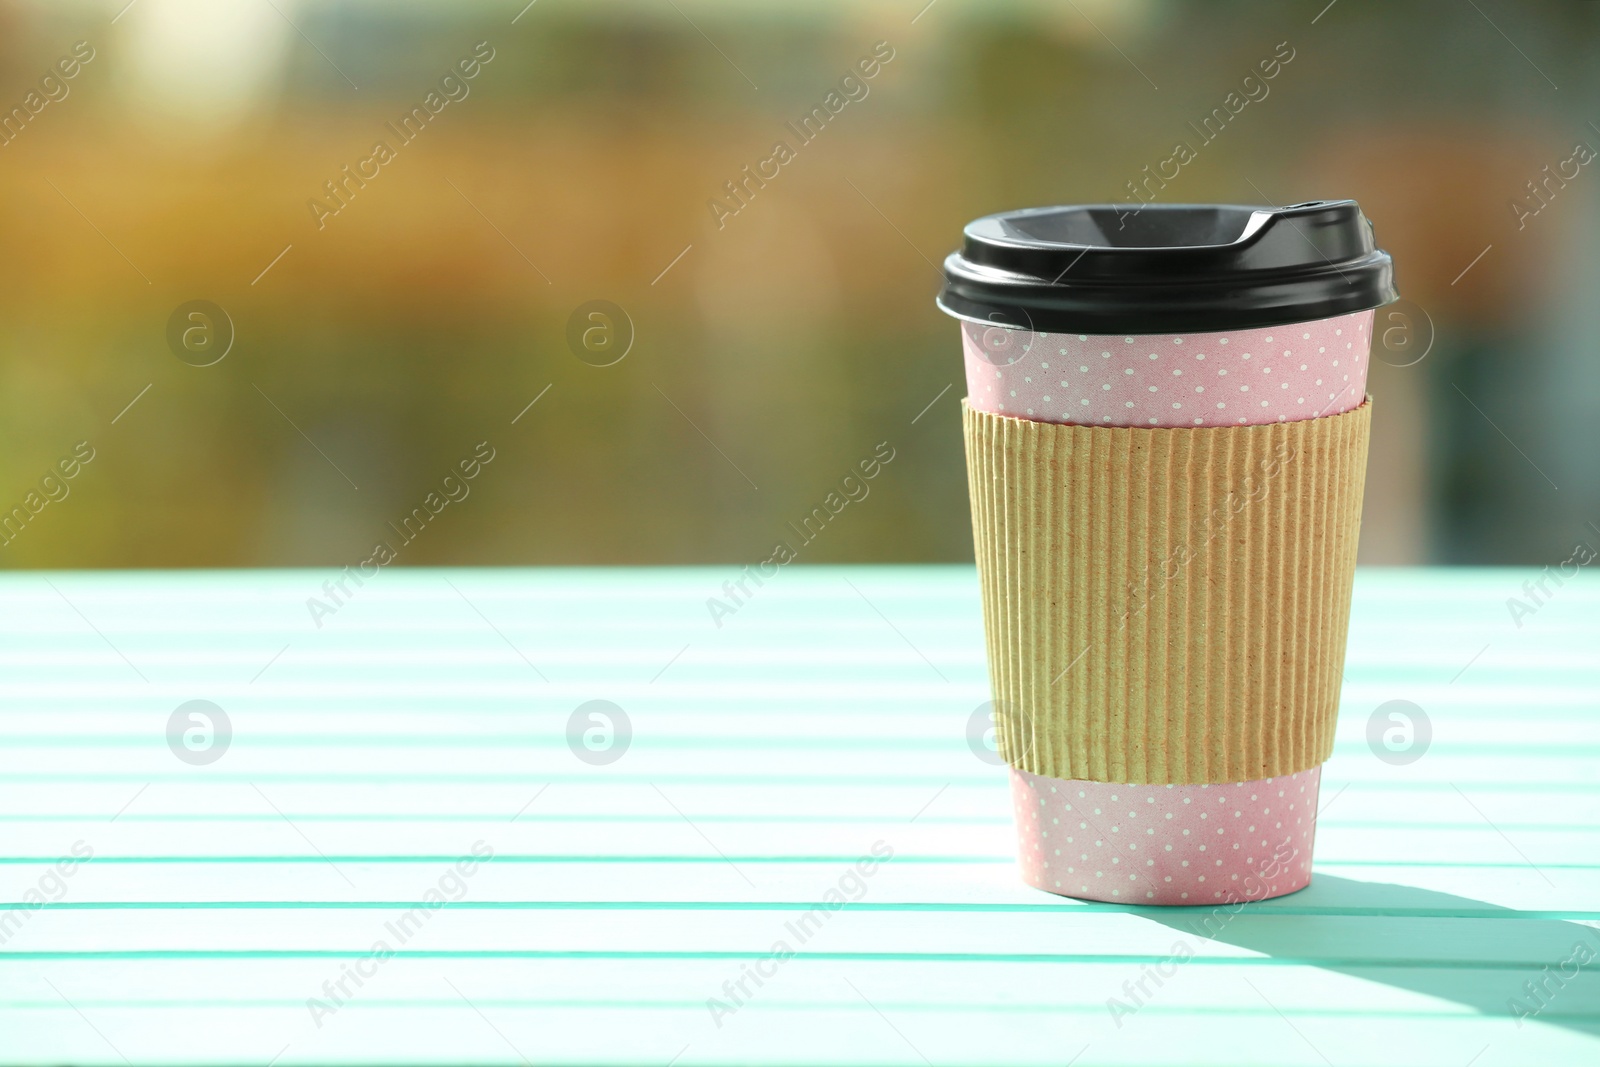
1109 268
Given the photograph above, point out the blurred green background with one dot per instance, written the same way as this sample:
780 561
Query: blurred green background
771 350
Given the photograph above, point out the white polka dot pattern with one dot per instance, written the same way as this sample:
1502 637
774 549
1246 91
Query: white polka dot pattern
1166 844
1242 377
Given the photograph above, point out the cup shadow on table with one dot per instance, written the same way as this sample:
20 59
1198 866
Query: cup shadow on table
1425 926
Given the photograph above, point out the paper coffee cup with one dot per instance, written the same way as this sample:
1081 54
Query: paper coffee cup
1166 434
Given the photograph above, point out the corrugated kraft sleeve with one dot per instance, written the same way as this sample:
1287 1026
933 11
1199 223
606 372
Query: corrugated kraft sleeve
1166 605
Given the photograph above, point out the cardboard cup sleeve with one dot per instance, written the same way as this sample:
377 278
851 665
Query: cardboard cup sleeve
1166 606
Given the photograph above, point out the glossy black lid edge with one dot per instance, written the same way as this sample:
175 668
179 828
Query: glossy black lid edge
1166 268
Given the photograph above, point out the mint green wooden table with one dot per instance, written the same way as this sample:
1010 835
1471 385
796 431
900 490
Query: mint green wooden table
427 718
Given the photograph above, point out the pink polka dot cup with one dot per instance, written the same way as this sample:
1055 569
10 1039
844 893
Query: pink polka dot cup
1166 318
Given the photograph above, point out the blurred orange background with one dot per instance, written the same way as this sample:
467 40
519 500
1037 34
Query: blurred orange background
770 352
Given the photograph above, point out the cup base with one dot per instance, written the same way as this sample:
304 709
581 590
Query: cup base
1166 844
